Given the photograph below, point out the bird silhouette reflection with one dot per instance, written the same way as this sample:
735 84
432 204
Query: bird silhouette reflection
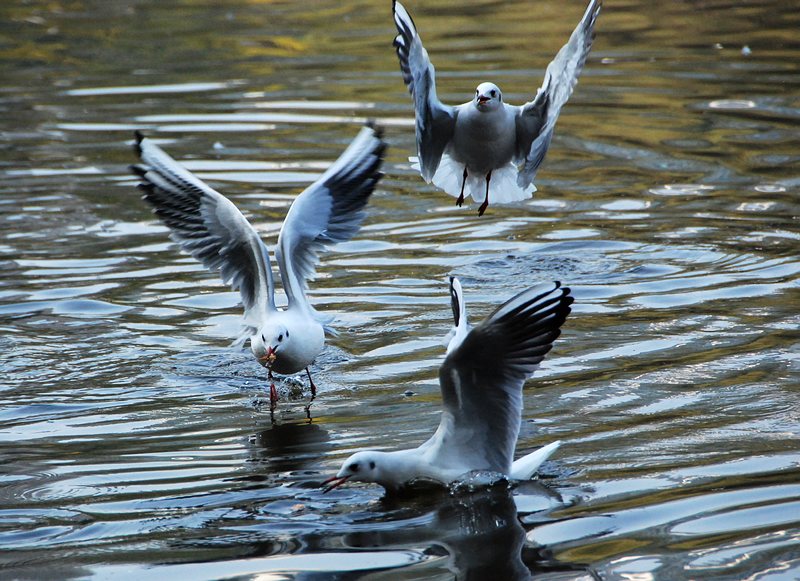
290 446
478 533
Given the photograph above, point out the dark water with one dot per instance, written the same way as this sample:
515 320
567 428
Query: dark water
132 442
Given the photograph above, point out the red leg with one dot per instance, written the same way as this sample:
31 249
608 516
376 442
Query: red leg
485 204
273 393
273 397
460 199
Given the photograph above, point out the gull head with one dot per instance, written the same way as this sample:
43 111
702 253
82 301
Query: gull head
360 467
488 97
270 344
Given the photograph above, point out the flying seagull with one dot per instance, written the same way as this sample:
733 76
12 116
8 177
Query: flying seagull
487 148
481 380
212 229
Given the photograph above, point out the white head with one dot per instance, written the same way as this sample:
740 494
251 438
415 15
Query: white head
269 343
366 466
488 97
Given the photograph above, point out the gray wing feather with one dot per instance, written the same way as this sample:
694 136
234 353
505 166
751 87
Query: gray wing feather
481 380
435 121
536 120
329 211
208 226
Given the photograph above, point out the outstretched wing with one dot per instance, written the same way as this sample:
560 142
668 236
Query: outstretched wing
481 380
328 211
536 120
208 226
434 121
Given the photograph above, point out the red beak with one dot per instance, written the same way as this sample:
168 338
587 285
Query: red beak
482 100
333 482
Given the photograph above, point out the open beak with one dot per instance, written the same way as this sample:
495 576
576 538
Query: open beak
333 482
482 100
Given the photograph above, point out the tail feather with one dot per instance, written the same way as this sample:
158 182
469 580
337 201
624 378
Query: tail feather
503 188
526 467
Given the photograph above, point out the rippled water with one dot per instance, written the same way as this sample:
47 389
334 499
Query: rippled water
132 437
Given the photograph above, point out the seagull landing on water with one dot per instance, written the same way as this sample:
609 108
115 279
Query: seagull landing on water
481 381
486 148
209 227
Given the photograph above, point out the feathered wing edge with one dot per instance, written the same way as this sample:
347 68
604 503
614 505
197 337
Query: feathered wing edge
329 211
482 379
524 468
209 227
435 122
536 120
460 324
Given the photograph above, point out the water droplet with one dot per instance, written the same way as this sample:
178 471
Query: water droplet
478 480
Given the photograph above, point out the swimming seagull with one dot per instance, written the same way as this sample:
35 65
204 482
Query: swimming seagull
481 381
487 141
209 227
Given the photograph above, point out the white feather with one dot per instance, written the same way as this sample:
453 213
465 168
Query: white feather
503 188
524 468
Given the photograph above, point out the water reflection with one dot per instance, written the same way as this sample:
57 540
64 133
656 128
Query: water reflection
289 446
668 202
475 536
482 536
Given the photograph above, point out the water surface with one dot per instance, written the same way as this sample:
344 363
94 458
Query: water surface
134 441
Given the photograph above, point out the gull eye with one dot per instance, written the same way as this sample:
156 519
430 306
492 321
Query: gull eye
280 337
354 467
372 465
493 93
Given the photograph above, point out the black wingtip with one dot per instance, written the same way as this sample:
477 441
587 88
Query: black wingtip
405 30
455 300
138 170
137 147
592 14
556 297
566 298
376 128
455 303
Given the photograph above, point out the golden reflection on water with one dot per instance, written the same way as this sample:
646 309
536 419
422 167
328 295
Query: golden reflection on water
667 202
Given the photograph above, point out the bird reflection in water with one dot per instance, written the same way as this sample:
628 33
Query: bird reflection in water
479 533
289 446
